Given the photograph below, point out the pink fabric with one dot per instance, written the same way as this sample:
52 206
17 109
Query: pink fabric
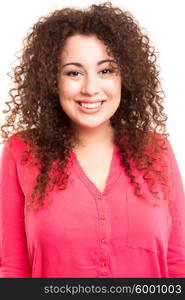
85 233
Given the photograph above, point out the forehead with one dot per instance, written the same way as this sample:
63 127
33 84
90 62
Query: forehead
84 48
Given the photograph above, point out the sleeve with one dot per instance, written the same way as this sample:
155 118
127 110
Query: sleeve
176 243
14 260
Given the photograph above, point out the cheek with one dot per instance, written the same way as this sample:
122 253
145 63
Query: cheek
68 89
114 87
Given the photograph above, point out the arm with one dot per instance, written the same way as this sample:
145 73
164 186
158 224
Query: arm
176 245
14 260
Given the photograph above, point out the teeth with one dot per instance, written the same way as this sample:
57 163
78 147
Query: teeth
90 105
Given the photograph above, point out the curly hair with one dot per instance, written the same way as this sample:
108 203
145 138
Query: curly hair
139 122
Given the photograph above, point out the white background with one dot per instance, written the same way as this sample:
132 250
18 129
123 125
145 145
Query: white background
165 24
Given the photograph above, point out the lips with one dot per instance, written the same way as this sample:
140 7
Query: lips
90 101
90 107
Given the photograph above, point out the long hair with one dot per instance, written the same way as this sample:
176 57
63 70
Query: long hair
139 122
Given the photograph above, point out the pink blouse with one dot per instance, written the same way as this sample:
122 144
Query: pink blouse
82 232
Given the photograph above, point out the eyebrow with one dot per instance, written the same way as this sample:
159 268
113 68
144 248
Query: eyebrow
98 64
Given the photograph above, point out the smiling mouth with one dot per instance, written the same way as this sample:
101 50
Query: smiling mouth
90 105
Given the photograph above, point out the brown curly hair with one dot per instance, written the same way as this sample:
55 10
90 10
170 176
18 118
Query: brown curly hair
139 123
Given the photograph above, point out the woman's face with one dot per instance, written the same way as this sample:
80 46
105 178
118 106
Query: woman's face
89 82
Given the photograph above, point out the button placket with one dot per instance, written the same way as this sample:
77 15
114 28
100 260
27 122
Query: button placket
103 271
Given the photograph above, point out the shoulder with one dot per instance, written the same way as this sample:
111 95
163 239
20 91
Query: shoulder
17 144
159 144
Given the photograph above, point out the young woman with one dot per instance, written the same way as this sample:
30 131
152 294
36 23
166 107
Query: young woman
89 185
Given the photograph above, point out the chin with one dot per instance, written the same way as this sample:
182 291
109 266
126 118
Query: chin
89 125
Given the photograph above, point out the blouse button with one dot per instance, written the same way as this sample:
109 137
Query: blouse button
102 217
99 196
103 241
103 264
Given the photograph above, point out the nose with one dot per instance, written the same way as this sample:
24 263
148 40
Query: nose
90 85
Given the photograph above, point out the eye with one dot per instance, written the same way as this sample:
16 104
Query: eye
107 71
73 73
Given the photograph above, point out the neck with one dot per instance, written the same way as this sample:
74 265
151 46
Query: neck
93 138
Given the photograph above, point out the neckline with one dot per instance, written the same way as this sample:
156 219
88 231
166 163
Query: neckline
111 177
